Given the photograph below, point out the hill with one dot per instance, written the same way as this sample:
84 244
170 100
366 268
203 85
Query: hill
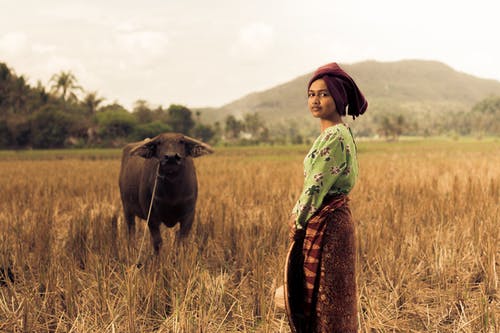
414 88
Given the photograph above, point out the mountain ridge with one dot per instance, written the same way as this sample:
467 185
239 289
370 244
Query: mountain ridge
410 85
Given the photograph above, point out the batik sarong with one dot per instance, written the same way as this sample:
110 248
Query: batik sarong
329 269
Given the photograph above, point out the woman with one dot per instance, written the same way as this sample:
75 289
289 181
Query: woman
321 218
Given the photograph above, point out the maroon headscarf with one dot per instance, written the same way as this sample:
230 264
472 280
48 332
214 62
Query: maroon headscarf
343 89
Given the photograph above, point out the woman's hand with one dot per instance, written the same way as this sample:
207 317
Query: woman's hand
294 233
291 227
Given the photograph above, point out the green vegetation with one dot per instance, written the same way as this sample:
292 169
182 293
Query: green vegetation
58 118
60 154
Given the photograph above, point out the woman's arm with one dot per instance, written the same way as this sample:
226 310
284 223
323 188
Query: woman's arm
324 166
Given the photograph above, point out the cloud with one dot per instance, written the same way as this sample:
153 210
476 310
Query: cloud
153 42
17 44
139 47
131 36
41 49
13 42
253 41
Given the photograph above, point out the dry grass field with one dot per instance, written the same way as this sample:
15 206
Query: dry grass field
427 227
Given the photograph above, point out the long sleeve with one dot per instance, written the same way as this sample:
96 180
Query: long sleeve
327 169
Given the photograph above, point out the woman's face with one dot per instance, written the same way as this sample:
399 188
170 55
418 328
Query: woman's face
320 102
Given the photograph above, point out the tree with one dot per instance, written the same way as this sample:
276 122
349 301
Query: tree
91 102
391 126
5 139
485 116
14 91
159 114
41 95
114 122
264 135
253 124
204 133
50 128
233 128
142 112
5 72
180 119
288 132
149 130
490 105
20 94
5 80
18 131
64 84
294 135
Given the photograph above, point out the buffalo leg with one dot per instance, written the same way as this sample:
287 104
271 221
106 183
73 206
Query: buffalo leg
130 219
186 222
154 230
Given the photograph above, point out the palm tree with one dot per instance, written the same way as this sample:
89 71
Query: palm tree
91 102
64 84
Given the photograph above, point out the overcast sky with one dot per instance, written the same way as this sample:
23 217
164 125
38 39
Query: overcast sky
208 53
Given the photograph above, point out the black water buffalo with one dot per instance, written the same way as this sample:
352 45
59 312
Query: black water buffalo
166 159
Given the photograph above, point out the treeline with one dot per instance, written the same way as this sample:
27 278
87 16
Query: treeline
56 117
483 119
65 115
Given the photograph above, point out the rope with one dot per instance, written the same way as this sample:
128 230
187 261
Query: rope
149 212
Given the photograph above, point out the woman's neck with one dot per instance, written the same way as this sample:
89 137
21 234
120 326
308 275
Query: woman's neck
325 123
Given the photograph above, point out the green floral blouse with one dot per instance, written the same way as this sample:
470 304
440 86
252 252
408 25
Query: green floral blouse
330 167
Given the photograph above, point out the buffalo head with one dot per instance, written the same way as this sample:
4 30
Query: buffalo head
171 149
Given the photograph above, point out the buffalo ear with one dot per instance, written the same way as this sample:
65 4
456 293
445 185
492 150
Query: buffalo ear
196 148
145 149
